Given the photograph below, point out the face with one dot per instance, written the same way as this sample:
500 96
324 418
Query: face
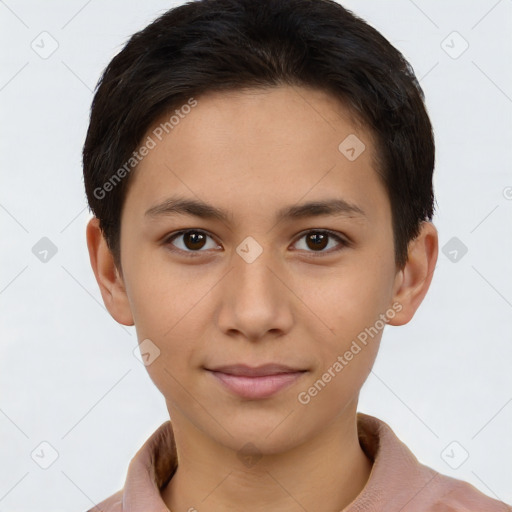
252 287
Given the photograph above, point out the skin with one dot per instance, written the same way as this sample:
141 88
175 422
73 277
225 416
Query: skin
253 152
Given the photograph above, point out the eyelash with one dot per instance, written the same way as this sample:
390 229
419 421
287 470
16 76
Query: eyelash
192 254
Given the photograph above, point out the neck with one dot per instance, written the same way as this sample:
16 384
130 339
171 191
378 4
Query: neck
326 472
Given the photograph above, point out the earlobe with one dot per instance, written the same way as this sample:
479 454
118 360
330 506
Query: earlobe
109 280
412 283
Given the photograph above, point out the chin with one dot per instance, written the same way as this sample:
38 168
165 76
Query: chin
265 435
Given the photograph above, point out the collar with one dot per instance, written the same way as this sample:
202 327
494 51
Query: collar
397 480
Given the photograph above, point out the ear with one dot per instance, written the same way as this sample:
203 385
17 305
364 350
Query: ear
413 282
110 281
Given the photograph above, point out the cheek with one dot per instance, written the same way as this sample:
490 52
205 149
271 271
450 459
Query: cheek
170 309
169 322
347 300
337 382
346 324
160 295
347 350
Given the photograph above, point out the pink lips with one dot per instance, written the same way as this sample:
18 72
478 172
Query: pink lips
254 383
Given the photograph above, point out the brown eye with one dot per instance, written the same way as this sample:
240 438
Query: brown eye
317 240
192 241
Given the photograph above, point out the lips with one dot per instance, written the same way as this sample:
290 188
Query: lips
258 371
256 382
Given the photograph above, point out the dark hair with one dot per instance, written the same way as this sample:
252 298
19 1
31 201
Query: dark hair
222 45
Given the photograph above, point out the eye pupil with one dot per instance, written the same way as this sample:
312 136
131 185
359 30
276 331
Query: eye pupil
192 238
319 240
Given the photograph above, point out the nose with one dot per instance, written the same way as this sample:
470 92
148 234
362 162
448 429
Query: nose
256 300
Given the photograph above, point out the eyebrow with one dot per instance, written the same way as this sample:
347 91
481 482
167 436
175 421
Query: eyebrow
184 206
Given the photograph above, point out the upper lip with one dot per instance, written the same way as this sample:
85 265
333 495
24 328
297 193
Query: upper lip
258 371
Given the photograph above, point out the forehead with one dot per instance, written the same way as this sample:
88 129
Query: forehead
259 149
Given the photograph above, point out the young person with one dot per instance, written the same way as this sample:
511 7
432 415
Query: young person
260 175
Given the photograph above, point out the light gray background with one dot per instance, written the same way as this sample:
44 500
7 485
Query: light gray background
68 375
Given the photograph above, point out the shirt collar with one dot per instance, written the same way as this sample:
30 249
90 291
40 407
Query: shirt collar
397 480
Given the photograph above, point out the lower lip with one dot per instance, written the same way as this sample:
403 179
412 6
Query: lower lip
256 387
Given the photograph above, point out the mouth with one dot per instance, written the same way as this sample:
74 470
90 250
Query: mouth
256 382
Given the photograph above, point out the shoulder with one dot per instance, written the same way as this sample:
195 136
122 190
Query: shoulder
452 495
113 503
399 481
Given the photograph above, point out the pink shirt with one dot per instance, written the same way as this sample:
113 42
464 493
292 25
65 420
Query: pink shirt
397 483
